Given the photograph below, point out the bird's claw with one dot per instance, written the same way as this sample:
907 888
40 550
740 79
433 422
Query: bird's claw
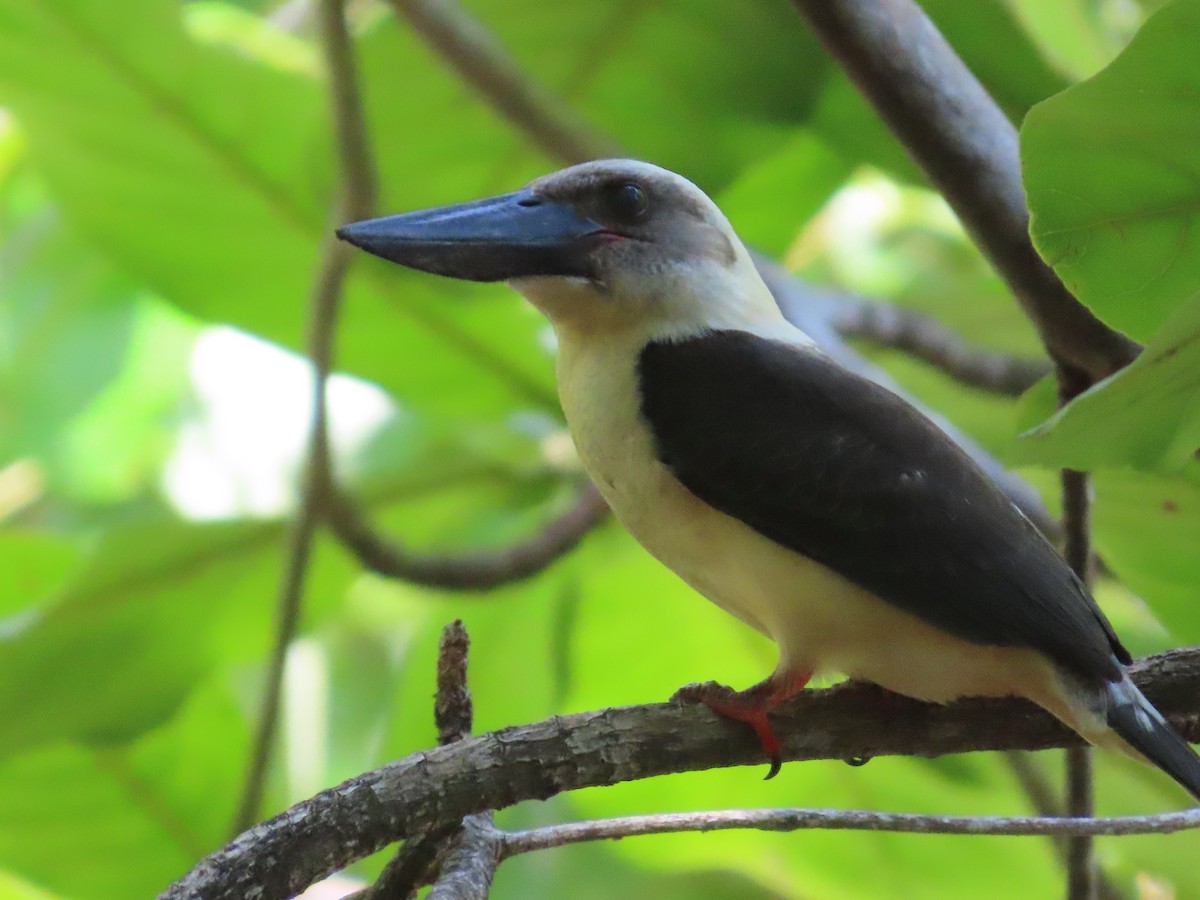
742 706
776 765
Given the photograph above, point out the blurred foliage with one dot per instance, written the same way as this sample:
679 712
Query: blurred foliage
170 170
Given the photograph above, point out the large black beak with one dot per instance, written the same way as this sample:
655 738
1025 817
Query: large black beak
510 236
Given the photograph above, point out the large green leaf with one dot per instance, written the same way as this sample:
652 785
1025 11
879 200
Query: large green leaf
159 603
1147 529
207 175
1146 416
1114 180
33 565
123 821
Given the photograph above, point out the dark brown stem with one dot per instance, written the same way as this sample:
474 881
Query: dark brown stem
967 147
928 340
357 192
471 863
1081 883
479 60
479 571
466 853
1046 803
429 790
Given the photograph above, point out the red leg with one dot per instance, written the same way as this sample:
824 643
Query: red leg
750 706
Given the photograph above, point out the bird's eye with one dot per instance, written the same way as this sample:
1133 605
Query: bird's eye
629 202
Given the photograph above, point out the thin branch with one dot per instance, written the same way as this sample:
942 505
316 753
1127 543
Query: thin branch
1081 804
413 865
466 852
473 851
478 59
417 862
1046 802
967 147
478 571
335 256
928 340
424 791
519 842
1077 548
470 866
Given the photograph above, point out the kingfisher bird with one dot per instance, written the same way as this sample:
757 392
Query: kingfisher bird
814 505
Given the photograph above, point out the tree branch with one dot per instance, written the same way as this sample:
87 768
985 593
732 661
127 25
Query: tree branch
1077 548
477 58
519 842
461 847
425 791
478 571
335 256
1046 803
967 147
928 340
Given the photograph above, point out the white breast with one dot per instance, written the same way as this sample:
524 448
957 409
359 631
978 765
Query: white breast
821 621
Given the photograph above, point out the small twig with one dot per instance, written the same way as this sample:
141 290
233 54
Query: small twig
1081 866
465 852
967 147
516 843
478 571
1077 548
335 256
471 864
1046 803
479 60
413 865
927 339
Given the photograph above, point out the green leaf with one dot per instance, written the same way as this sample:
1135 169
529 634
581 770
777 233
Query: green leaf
668 80
1071 33
157 146
124 821
158 604
33 565
1147 530
1114 181
1146 416
771 200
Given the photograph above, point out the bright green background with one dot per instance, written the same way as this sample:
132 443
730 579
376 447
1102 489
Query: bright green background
170 168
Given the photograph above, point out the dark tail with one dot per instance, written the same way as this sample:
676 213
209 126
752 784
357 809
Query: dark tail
1142 727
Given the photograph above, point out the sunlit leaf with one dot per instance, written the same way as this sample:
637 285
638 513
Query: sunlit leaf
157 147
1146 416
134 816
159 603
1147 528
1113 179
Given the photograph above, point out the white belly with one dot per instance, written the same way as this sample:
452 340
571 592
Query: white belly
821 621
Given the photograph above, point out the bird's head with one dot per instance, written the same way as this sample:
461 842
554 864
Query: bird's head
604 245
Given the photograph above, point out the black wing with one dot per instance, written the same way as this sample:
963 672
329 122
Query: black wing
835 467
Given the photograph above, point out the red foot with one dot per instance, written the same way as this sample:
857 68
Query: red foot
750 706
